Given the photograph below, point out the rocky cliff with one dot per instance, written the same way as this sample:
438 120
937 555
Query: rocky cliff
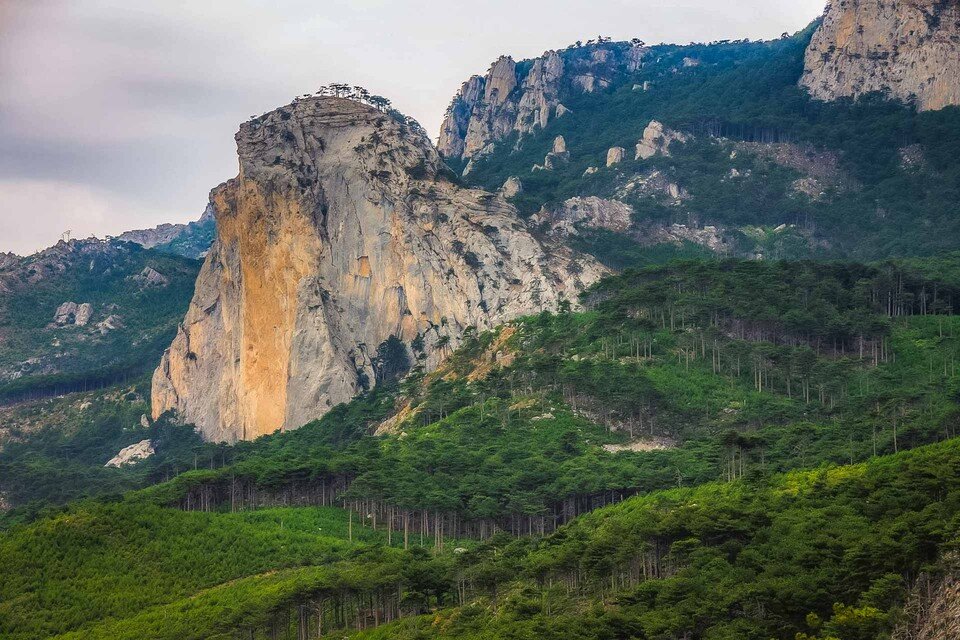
341 235
521 97
907 48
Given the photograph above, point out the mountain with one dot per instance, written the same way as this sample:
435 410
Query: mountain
717 149
907 49
191 240
514 98
413 423
86 313
344 252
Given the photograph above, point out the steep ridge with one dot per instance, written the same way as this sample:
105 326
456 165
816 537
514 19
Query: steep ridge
522 97
907 48
191 240
341 236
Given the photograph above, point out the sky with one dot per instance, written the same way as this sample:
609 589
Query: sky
120 114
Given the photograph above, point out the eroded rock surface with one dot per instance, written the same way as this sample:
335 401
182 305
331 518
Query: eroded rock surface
341 233
909 49
656 140
514 98
132 454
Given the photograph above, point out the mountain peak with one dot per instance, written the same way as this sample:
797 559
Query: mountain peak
340 238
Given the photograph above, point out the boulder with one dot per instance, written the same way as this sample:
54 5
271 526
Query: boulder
71 313
615 156
657 140
132 454
511 187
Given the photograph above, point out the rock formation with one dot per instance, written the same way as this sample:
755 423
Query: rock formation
341 236
615 155
558 154
71 313
522 98
511 187
591 212
657 140
132 454
909 49
150 277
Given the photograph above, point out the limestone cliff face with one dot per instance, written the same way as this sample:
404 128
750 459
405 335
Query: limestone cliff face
340 232
526 96
909 48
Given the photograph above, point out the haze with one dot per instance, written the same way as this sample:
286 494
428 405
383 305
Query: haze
120 114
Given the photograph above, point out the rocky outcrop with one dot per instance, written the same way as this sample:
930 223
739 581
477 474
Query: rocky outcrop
341 237
655 184
594 213
577 215
819 168
110 323
132 454
615 155
71 313
656 140
909 49
558 156
512 187
524 97
150 277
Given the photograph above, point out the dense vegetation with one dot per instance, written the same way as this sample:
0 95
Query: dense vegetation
723 369
39 359
676 376
828 553
881 206
710 450
54 450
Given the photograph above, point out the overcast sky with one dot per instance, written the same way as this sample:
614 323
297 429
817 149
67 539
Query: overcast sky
120 114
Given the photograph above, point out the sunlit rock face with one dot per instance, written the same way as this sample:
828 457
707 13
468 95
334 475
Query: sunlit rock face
342 232
909 49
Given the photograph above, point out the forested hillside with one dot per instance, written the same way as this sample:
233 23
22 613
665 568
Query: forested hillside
87 314
578 474
869 179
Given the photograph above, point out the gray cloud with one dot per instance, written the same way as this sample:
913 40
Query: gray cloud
129 106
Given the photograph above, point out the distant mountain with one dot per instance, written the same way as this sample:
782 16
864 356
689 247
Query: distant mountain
191 240
86 313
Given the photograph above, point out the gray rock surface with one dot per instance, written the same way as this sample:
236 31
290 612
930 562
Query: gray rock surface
489 108
340 232
909 49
